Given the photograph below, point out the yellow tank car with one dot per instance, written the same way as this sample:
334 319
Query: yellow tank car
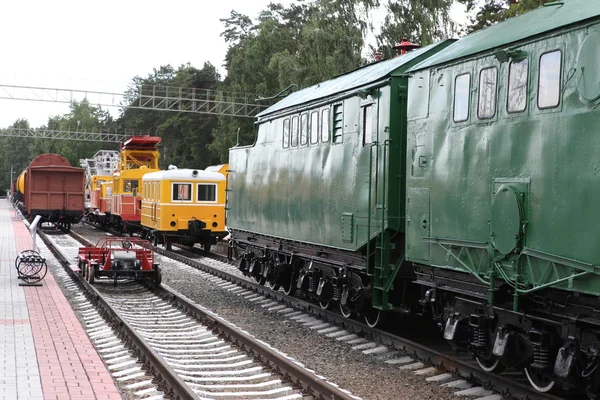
185 206
21 182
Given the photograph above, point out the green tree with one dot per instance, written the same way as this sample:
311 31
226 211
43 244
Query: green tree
82 117
185 136
485 13
14 154
420 21
298 46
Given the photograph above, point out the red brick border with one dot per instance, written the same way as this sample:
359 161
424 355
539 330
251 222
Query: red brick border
70 367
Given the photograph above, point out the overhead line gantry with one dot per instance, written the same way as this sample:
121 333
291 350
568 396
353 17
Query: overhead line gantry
144 97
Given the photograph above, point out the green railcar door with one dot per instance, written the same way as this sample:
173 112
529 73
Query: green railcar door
417 224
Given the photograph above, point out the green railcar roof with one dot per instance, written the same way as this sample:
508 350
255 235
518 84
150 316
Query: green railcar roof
353 80
543 19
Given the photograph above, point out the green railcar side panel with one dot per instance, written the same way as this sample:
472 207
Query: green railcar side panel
523 187
347 227
304 193
338 193
417 225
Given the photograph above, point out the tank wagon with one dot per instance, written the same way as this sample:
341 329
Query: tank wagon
457 181
185 206
51 188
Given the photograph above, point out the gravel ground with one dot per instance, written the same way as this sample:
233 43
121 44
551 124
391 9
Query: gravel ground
361 374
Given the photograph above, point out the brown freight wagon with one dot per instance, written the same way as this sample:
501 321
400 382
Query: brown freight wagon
54 190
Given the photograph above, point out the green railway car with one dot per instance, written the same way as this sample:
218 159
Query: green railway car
503 193
459 181
305 198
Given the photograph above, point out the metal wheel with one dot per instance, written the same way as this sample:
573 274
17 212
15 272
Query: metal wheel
346 312
538 381
373 317
90 274
490 364
260 279
273 285
157 276
290 287
325 304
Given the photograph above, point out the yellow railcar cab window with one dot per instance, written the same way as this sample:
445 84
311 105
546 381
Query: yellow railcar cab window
129 185
181 192
207 192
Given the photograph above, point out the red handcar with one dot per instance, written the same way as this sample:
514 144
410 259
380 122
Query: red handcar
119 257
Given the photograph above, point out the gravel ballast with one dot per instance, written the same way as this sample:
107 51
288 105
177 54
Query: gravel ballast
363 375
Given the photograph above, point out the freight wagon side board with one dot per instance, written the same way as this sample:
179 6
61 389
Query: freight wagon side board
55 188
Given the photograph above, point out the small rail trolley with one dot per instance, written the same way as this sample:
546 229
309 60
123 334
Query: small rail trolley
119 257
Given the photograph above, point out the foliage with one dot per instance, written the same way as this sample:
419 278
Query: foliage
185 136
285 47
299 45
420 21
488 12
18 152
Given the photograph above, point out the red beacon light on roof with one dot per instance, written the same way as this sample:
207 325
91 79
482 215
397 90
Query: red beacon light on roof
405 46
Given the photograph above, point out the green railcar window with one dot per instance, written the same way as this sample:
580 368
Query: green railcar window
325 125
462 85
294 138
314 127
367 124
488 81
182 192
549 80
517 86
304 129
286 133
338 123
207 192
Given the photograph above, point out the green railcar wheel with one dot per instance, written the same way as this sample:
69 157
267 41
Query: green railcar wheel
325 305
373 317
539 381
346 311
491 364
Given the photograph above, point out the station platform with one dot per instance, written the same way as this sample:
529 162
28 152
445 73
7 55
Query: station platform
45 353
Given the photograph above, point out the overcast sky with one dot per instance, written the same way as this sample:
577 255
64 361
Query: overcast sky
101 46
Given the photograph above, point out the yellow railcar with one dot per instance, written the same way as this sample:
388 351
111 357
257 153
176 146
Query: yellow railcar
185 206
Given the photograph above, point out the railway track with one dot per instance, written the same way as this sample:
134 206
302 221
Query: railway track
420 355
509 385
192 353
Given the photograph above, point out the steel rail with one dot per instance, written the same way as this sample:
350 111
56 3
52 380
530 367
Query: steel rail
463 366
174 384
309 381
318 387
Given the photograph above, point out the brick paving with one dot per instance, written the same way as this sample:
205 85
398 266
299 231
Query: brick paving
44 351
